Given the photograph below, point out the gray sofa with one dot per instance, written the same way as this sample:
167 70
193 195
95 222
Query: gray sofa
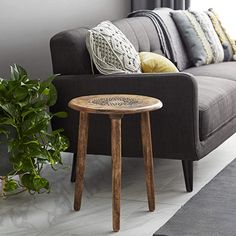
199 111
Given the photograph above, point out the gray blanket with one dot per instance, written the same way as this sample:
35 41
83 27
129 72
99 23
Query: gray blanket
163 33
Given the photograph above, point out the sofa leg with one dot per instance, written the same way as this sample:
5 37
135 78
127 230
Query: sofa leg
73 171
188 174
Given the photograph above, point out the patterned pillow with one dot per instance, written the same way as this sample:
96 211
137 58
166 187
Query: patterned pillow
111 51
197 45
228 44
210 33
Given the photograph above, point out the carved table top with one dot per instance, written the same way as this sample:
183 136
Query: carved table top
115 104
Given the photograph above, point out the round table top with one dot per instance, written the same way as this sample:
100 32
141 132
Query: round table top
115 104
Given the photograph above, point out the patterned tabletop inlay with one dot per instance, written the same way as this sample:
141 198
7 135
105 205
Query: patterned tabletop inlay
115 103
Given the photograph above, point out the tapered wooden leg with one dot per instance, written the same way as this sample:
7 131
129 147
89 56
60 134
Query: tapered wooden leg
81 155
148 158
116 169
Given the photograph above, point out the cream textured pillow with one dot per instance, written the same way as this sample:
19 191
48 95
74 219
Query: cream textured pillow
228 44
210 33
154 63
111 51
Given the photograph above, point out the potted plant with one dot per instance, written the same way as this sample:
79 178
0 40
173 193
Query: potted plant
26 141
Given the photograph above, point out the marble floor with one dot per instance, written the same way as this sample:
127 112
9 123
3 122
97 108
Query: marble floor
52 214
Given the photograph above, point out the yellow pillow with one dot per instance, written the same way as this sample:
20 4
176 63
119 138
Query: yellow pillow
153 62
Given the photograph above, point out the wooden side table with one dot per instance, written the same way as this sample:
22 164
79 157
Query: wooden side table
116 106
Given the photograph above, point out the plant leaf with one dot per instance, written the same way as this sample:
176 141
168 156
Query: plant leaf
40 183
14 73
52 96
61 114
46 83
18 72
10 185
21 93
27 181
10 109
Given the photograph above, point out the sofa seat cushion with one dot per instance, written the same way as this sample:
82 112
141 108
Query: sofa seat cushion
217 104
226 70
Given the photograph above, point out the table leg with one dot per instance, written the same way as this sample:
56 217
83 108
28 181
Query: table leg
148 158
116 169
81 155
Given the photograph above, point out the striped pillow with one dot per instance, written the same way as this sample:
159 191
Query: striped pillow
197 45
227 43
210 33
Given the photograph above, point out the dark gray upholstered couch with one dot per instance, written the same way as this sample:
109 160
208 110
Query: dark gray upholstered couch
199 111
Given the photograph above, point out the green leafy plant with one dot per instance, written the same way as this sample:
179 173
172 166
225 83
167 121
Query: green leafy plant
25 129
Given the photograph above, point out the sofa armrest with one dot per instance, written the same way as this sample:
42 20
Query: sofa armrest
69 54
175 126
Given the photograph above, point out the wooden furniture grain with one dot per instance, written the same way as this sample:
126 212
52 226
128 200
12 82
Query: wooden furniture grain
116 106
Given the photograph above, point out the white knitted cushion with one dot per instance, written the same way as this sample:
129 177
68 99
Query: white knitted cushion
209 31
111 51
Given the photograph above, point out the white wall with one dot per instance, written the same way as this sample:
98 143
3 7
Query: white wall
26 27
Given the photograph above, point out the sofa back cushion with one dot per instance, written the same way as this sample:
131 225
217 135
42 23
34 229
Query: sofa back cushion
70 55
141 32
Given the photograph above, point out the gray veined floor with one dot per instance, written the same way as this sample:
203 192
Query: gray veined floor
52 214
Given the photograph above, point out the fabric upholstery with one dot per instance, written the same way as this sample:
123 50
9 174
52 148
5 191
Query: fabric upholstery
217 104
224 70
210 33
161 29
141 33
155 63
198 48
111 51
213 141
69 54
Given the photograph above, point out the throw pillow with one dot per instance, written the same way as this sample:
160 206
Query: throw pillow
198 47
153 63
228 44
210 33
111 51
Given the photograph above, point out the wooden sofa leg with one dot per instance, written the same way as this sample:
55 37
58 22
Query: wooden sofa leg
188 174
73 171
